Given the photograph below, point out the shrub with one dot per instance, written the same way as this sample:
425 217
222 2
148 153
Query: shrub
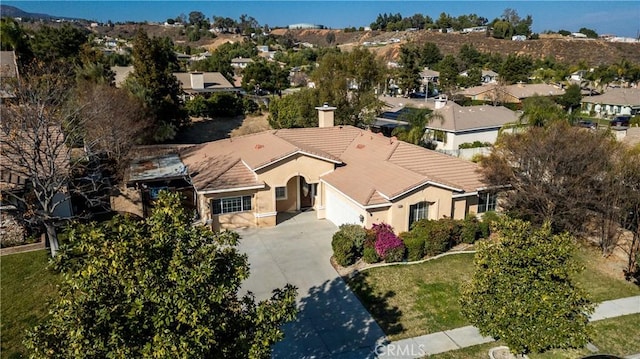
470 229
370 256
357 235
386 239
343 249
395 254
414 245
436 235
488 220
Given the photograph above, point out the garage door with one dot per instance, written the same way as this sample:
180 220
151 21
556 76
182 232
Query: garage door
339 211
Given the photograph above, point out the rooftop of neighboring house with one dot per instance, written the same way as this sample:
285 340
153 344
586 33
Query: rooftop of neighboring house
429 73
371 169
194 82
616 96
458 118
519 90
241 60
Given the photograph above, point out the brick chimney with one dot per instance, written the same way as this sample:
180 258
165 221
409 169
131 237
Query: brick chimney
325 115
197 80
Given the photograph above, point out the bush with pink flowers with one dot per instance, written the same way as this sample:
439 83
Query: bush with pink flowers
388 246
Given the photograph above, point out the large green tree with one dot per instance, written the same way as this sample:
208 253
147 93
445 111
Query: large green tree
158 288
265 75
58 43
154 62
522 290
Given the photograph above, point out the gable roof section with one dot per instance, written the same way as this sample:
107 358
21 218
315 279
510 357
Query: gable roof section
209 162
616 96
458 118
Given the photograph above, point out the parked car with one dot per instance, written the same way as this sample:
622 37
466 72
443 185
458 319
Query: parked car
587 124
621 121
417 95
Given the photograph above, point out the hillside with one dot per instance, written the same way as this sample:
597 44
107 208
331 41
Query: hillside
593 52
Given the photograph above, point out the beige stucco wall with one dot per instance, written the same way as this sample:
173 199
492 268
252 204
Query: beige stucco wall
264 204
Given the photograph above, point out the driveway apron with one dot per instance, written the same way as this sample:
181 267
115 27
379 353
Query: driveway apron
331 323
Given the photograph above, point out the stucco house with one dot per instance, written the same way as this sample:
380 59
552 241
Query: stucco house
240 62
467 124
345 174
614 101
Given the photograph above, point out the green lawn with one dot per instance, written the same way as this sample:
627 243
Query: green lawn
413 300
619 336
26 287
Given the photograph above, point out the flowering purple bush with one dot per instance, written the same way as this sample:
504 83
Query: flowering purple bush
386 240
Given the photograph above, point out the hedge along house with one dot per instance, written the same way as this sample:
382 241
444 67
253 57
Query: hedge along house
346 174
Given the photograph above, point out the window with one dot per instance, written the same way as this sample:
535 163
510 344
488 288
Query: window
486 202
231 204
281 193
418 211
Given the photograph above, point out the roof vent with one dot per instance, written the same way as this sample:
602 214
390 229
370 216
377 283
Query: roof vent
258 146
360 146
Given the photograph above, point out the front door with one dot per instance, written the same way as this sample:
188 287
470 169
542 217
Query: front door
307 193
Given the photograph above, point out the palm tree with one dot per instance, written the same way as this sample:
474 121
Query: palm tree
418 120
540 110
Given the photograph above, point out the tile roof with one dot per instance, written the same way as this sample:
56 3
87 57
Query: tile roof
458 118
8 67
372 169
519 91
616 96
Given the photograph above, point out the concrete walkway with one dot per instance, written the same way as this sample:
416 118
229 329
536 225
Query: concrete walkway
469 336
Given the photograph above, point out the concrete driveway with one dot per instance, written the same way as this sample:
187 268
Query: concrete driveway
332 323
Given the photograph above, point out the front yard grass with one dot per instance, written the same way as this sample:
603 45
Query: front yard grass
26 287
426 295
618 336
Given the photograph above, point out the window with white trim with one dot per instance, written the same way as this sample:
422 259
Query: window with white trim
487 202
281 193
231 204
418 211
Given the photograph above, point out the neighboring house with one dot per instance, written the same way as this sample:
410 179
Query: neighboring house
489 77
429 76
510 94
346 174
240 62
8 74
614 101
467 124
203 83
459 124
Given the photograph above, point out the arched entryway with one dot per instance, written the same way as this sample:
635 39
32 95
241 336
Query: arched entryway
297 195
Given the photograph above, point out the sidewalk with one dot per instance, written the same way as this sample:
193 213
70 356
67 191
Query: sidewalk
459 338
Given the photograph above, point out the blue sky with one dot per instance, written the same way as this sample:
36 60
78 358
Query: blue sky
605 17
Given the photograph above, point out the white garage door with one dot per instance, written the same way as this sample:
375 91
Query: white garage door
339 211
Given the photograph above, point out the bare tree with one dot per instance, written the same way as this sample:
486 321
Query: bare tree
556 174
36 158
113 121
49 116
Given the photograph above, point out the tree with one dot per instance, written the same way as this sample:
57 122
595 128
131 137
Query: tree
295 110
35 150
516 68
522 290
157 288
541 111
13 37
154 83
553 173
429 54
409 73
589 32
267 75
572 98
62 44
197 19
448 73
418 119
